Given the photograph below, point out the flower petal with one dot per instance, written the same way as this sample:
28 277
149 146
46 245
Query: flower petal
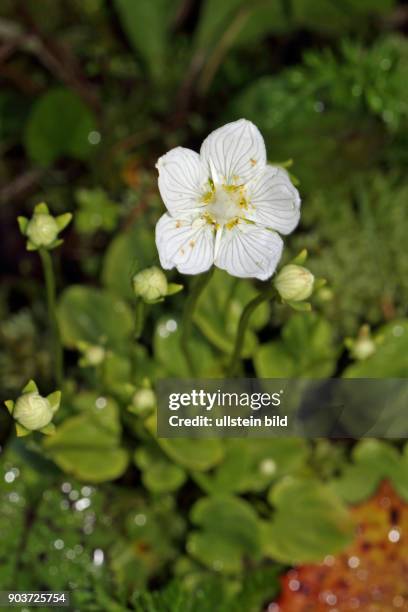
249 251
275 200
235 153
182 180
187 244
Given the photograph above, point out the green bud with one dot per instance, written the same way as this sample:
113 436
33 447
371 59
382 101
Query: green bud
144 399
94 355
150 284
363 346
42 230
33 411
294 283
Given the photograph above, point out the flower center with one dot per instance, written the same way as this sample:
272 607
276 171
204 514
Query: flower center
225 204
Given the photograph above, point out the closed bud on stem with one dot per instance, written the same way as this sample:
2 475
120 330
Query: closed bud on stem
150 284
144 399
294 283
32 411
42 230
363 346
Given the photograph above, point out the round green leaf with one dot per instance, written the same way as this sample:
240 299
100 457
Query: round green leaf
127 254
88 445
229 532
251 465
198 454
306 349
59 126
309 523
94 316
220 307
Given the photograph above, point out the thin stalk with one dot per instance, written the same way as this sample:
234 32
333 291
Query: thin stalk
200 282
140 313
242 328
52 314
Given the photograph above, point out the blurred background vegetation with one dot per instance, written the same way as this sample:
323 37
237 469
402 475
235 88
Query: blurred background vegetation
92 93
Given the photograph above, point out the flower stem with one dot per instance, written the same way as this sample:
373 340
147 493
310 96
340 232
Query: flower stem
199 284
246 314
140 313
52 313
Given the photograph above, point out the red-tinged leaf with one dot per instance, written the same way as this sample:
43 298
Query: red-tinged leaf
370 576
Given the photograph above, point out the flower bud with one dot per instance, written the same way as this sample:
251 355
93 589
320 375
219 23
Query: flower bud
294 283
150 284
144 399
42 229
94 355
33 411
363 346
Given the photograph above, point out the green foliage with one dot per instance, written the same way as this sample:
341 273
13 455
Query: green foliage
88 445
147 26
359 249
90 315
211 593
305 349
252 465
104 508
96 211
312 102
229 530
128 253
373 461
200 455
59 125
219 309
159 474
309 521
166 343
391 357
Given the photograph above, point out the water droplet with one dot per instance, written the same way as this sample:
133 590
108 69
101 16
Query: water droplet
267 467
101 403
140 520
331 599
294 585
98 556
398 601
353 562
94 137
171 325
82 504
394 536
59 544
397 331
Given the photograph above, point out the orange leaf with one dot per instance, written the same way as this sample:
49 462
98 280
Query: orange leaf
370 576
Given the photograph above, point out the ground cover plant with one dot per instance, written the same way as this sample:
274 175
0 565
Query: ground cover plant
96 304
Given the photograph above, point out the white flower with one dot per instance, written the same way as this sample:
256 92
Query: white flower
225 205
